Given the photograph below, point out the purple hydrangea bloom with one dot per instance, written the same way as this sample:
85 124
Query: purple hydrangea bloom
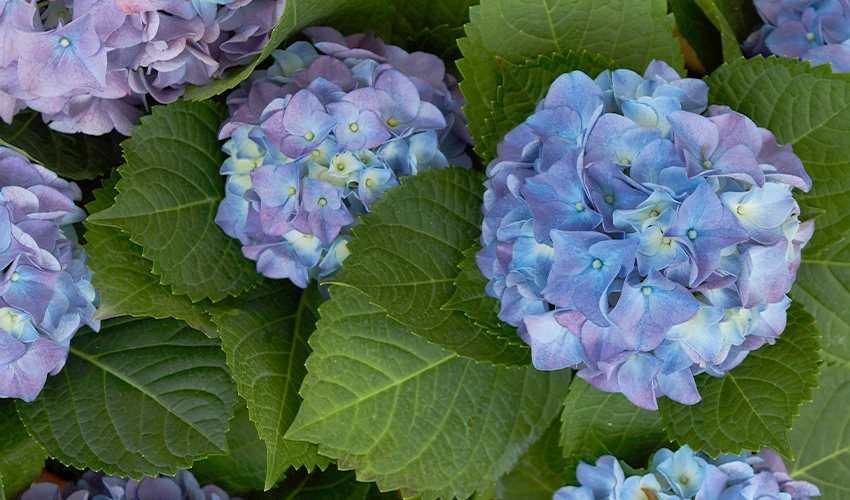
685 475
319 136
97 485
641 252
88 65
811 30
45 289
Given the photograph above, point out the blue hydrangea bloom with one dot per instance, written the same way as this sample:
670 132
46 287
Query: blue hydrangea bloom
99 486
811 30
88 65
685 475
319 136
640 251
45 288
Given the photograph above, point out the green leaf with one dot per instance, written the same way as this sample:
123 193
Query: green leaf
125 278
734 19
808 108
265 338
539 472
821 435
409 415
405 259
471 299
330 484
701 34
597 423
629 32
21 458
139 397
73 156
168 196
754 404
243 469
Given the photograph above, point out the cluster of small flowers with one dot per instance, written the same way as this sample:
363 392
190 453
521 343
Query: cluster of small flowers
45 289
630 236
87 65
812 30
320 135
99 486
686 475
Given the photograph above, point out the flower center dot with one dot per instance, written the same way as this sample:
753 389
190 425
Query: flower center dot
666 241
647 290
692 234
609 199
810 36
309 136
597 264
15 276
368 182
340 167
392 122
322 202
626 161
740 210
64 42
353 127
653 213
315 153
291 191
684 480
580 206
706 164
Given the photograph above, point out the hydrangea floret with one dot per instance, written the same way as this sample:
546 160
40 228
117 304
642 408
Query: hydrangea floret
316 138
684 474
99 486
632 237
45 288
811 30
88 65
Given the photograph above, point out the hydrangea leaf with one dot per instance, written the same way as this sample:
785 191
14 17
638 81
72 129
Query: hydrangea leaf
73 156
734 20
167 199
330 484
243 469
407 414
539 472
470 298
808 108
405 259
142 396
821 435
629 32
754 404
125 279
21 458
695 27
265 339
597 423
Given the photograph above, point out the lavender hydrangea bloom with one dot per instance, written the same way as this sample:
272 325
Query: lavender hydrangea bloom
811 30
45 289
88 65
685 475
318 137
97 485
670 247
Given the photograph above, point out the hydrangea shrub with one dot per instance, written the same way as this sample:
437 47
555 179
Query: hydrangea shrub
811 30
89 65
635 236
45 290
315 139
684 474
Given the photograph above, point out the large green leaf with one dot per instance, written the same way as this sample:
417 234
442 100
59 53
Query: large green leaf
409 415
139 397
597 423
21 458
125 278
734 20
539 472
808 108
405 259
168 196
330 484
74 156
243 469
628 32
265 338
821 435
754 404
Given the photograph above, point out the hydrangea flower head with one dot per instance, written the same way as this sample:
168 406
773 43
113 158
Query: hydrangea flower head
45 288
636 235
685 475
88 65
811 30
319 136
97 485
